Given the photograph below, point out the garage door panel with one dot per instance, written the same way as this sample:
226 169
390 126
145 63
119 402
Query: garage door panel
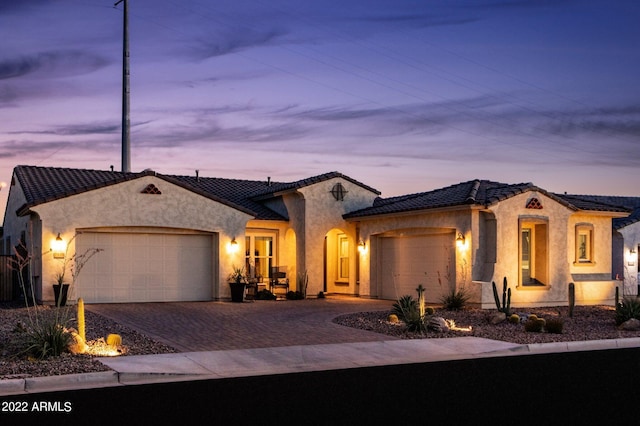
407 262
137 267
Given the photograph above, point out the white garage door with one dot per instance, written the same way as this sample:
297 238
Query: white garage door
146 267
409 261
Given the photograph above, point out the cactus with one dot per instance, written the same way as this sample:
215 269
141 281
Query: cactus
393 318
572 298
506 297
81 328
421 306
514 319
114 340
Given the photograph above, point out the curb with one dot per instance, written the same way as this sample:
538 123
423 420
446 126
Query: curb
57 383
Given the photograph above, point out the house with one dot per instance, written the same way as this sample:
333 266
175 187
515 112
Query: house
177 238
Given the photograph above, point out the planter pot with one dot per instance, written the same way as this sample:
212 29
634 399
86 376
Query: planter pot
61 296
237 291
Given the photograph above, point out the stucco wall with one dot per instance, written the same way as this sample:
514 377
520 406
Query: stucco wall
123 205
631 236
561 222
322 213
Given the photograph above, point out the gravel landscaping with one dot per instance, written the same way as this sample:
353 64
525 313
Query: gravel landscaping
587 323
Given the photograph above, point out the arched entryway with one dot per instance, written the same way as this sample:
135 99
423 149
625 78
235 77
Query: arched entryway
340 260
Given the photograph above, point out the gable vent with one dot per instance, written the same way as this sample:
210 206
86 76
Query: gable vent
534 203
151 189
338 191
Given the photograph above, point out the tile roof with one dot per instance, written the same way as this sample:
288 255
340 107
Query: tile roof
629 203
475 192
44 184
277 188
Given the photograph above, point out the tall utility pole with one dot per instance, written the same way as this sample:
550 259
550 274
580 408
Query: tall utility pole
126 142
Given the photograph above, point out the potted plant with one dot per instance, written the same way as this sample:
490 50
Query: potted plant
237 282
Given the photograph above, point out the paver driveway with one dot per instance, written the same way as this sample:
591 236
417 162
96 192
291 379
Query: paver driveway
207 326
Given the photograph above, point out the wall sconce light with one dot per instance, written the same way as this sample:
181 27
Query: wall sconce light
460 240
632 257
233 246
58 247
362 247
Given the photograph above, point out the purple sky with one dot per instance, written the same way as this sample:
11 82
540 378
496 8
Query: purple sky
403 95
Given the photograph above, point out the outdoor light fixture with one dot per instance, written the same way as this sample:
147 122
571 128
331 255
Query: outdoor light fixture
632 257
460 239
362 246
58 247
233 245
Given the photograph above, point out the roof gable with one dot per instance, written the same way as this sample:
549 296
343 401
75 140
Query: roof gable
45 184
277 188
481 193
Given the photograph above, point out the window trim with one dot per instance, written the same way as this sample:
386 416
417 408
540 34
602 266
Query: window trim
530 222
343 256
250 256
584 229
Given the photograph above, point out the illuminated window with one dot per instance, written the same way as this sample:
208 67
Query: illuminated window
260 254
343 257
584 244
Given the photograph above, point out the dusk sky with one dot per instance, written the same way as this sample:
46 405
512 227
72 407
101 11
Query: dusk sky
403 95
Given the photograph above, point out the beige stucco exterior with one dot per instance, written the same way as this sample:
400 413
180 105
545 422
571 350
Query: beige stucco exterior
306 239
123 207
561 267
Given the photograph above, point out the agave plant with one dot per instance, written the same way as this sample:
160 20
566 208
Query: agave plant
627 309
405 307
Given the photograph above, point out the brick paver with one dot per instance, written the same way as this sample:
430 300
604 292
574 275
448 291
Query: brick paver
208 326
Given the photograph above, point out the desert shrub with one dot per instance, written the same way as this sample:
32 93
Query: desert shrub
415 323
455 300
295 295
48 338
265 294
534 325
554 325
405 307
627 309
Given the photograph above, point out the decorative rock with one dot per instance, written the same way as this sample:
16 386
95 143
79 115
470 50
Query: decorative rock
438 324
630 325
496 318
77 344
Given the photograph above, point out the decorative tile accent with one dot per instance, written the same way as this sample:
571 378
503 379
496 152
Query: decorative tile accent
534 203
151 189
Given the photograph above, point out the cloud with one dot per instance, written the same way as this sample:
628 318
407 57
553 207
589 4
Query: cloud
52 64
417 20
75 130
235 41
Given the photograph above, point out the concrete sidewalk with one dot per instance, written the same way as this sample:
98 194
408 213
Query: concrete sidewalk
187 366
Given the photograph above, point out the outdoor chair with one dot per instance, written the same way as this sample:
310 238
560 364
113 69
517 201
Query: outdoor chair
279 280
